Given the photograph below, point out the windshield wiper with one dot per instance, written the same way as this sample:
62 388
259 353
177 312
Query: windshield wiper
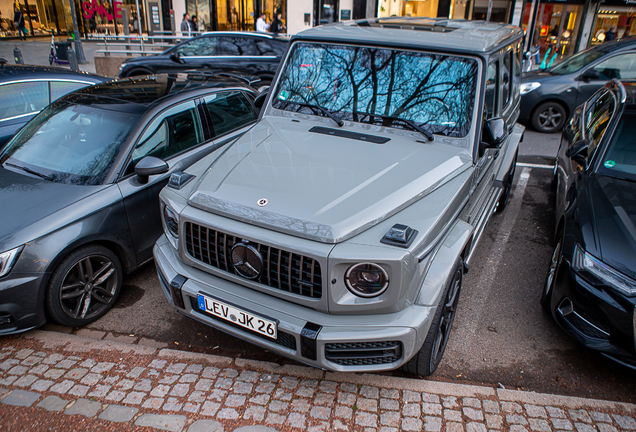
30 171
409 123
338 121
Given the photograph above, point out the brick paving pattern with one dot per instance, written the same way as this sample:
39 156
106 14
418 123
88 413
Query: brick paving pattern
202 392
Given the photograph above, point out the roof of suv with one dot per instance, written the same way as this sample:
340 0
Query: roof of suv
411 32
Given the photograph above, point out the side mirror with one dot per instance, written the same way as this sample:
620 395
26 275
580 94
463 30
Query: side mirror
260 99
175 57
148 166
590 74
494 132
578 152
527 55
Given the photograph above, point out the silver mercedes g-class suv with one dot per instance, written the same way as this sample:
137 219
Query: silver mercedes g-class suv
336 231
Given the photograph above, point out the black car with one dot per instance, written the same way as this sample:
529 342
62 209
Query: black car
245 53
26 90
591 285
79 187
549 97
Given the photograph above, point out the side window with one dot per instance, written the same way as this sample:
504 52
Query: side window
516 67
597 117
492 89
620 66
204 46
236 46
60 88
229 111
171 132
506 77
23 99
264 48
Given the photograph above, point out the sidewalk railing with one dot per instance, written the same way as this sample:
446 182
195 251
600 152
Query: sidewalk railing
137 45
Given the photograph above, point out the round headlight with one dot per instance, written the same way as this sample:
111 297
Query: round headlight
366 279
172 223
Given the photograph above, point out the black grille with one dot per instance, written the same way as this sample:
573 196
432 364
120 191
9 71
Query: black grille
363 353
283 339
588 326
283 270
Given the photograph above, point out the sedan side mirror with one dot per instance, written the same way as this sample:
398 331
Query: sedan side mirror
494 132
590 74
578 152
175 57
148 166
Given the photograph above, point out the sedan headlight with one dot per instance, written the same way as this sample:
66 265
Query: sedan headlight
7 259
171 224
586 263
366 279
528 87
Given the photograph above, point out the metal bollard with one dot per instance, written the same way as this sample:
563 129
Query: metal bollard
17 56
72 59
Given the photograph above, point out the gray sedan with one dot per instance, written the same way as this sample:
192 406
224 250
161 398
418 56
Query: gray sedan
79 187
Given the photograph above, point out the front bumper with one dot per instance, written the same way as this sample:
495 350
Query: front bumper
598 317
305 334
21 307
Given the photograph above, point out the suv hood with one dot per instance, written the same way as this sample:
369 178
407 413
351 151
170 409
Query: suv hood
321 187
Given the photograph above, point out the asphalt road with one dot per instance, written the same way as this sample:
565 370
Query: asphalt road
501 336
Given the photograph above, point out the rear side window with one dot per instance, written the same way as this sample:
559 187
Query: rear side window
236 46
60 88
492 84
264 48
229 111
22 99
506 77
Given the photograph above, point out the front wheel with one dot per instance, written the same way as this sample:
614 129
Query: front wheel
549 117
426 361
84 286
548 286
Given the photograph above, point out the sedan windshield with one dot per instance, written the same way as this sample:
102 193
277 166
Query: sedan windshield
577 62
620 158
69 143
380 86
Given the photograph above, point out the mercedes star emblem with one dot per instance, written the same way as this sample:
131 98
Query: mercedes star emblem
246 260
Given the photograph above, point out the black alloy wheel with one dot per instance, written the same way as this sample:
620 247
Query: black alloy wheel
555 261
505 195
426 361
549 117
84 286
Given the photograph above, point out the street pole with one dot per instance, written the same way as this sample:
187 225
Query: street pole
138 17
79 51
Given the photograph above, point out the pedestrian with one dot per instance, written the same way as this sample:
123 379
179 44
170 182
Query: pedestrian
261 23
610 35
18 21
194 23
277 25
185 25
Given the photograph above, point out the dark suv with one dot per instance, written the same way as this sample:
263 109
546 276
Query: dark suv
246 53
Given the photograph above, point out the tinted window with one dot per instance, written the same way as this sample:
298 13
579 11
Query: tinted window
492 90
376 85
204 46
23 99
620 67
70 143
229 111
264 48
506 77
173 131
60 88
236 46
598 113
620 158
516 70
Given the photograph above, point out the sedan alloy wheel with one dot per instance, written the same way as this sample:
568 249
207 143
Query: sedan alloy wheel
549 117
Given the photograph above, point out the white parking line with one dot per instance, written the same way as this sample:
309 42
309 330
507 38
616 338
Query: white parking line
531 165
495 255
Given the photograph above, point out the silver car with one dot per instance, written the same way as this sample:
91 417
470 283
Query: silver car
337 230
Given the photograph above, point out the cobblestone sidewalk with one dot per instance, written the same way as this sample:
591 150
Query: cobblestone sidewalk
141 386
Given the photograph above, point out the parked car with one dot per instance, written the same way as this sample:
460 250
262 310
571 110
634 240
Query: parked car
549 97
26 90
590 289
337 231
245 53
79 187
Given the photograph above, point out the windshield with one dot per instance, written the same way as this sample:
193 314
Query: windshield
69 143
620 157
577 62
373 85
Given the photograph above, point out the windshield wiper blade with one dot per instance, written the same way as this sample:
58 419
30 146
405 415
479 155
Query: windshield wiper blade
338 121
30 171
409 123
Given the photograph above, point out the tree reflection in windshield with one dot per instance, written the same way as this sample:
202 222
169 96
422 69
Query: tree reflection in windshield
434 91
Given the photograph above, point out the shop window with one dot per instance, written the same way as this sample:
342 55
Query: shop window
23 99
492 89
60 88
198 47
619 67
229 111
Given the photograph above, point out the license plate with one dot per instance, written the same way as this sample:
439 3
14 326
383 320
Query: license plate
238 316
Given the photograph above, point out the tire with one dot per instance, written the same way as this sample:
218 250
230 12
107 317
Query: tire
425 362
553 270
505 196
548 117
263 85
94 270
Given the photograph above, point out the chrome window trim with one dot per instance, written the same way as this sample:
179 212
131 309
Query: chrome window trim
48 80
18 116
228 57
